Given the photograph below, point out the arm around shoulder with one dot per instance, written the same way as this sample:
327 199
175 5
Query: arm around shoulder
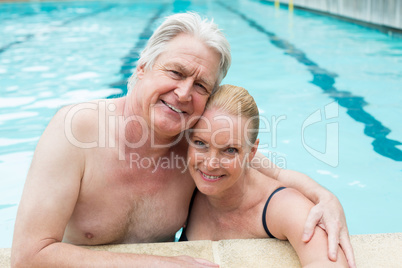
294 179
290 209
327 212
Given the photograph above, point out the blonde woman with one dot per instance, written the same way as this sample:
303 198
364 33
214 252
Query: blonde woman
233 199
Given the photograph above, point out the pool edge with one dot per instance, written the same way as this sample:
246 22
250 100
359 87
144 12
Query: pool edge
371 250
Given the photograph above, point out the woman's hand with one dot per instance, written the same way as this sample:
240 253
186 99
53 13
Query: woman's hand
329 215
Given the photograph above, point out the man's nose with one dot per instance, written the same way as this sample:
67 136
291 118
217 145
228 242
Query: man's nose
183 91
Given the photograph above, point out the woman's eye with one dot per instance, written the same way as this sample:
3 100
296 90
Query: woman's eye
199 144
232 150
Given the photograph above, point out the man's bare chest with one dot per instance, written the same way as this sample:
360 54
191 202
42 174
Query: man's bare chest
118 208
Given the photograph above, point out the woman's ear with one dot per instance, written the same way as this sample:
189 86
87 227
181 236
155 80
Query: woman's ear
253 150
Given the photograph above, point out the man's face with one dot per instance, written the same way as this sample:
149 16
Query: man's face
173 94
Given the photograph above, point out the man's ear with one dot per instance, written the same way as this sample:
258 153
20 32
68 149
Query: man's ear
140 71
253 150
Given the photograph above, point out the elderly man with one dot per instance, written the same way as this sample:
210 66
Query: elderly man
97 175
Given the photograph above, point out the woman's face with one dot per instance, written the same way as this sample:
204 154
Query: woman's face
219 151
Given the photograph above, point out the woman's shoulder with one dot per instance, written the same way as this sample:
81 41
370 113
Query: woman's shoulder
290 200
287 212
263 184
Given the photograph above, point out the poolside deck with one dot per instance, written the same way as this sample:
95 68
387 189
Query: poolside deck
376 250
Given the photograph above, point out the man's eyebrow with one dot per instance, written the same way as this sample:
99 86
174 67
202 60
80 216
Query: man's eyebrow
179 66
183 69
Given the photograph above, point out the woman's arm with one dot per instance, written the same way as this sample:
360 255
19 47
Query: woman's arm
286 215
327 212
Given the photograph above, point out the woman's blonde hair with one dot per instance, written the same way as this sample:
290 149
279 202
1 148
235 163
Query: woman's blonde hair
238 102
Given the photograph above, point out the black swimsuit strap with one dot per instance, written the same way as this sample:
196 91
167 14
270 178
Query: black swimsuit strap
264 213
183 236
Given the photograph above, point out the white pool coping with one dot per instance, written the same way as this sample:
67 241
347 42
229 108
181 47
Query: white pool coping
372 250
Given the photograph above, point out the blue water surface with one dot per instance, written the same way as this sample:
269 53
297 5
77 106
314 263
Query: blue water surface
328 90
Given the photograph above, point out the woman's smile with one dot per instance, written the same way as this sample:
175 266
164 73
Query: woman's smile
210 178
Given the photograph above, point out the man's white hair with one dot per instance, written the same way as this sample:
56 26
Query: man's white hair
188 23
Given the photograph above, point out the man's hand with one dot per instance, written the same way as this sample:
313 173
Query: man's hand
329 215
328 212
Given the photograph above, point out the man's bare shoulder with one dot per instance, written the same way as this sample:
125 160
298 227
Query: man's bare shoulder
82 122
71 129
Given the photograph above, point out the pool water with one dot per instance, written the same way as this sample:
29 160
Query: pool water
328 90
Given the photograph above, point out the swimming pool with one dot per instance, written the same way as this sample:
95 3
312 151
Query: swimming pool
298 66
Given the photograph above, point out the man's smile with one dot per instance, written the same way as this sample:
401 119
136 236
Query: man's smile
172 107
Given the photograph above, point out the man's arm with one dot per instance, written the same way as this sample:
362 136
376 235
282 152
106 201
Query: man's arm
50 194
304 184
327 212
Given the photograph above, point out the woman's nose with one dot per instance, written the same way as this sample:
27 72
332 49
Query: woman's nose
211 162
